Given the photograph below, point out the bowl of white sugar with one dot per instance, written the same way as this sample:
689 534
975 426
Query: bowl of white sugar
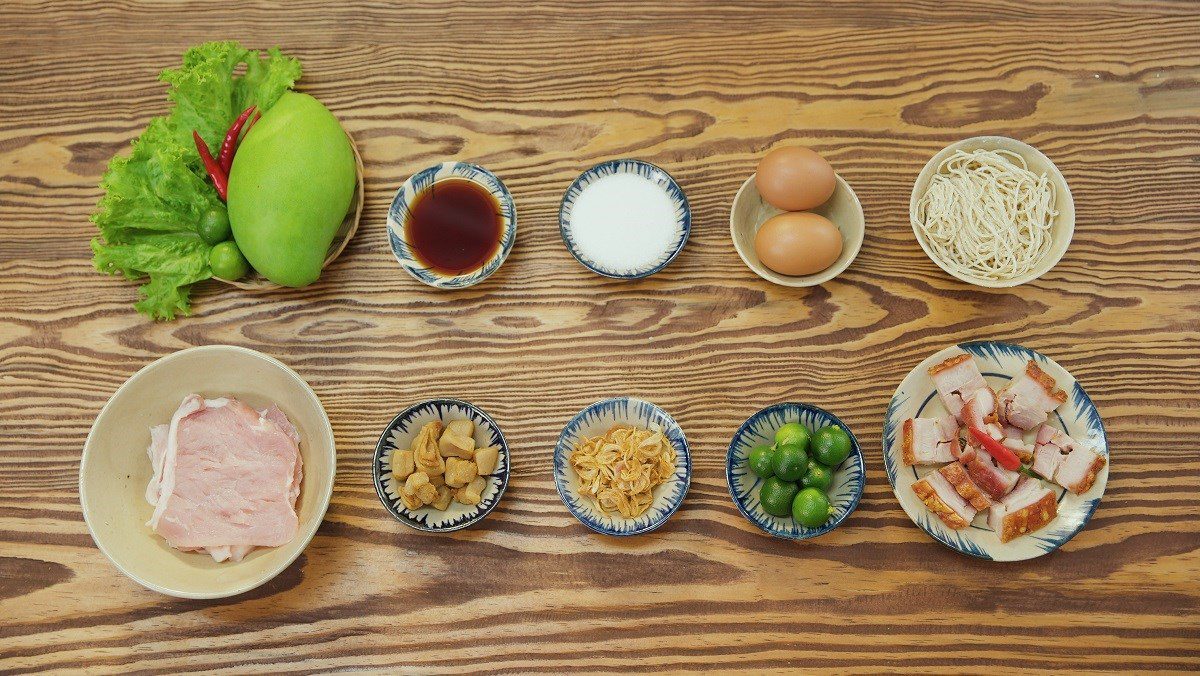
625 219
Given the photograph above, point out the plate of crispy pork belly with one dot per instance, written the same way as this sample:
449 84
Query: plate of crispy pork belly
995 451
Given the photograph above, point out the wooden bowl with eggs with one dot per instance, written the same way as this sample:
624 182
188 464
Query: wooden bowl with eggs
750 211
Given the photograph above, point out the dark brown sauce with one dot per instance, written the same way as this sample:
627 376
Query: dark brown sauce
454 226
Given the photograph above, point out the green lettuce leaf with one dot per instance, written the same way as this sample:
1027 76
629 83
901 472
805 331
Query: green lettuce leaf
265 80
155 197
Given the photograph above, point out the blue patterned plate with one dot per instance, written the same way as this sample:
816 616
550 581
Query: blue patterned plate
418 182
848 479
400 433
1078 417
683 216
594 421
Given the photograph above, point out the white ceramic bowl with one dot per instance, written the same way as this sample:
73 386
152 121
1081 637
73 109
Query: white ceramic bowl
402 204
401 432
596 420
655 175
1061 230
750 211
115 469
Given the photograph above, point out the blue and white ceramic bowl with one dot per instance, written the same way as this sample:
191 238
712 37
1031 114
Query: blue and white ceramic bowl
415 185
594 421
658 176
848 479
998 362
399 435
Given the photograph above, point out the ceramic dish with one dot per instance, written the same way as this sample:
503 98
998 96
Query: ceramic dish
115 469
1078 417
1061 230
349 226
658 176
750 211
415 185
400 433
844 493
597 419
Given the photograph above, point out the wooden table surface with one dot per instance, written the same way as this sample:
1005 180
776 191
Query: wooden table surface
537 91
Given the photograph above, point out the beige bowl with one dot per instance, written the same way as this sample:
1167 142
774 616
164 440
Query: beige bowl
750 211
115 469
1060 231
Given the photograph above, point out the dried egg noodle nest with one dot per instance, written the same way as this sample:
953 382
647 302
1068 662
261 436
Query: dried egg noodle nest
987 215
621 469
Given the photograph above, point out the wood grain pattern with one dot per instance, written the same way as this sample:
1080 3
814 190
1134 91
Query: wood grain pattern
537 91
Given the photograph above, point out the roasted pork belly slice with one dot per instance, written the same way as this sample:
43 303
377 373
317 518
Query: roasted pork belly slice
941 499
1066 462
987 473
957 379
1051 447
227 479
1014 439
1078 471
951 495
956 475
1030 506
1028 399
980 409
929 441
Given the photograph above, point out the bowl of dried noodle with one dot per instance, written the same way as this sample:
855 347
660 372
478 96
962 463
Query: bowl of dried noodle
622 466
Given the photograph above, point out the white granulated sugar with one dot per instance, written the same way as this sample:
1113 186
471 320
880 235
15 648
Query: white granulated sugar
623 222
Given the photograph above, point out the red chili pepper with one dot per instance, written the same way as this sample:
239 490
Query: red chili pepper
246 131
228 147
1003 454
219 179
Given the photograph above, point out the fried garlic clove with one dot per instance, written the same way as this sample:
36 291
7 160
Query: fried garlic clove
402 465
486 459
460 472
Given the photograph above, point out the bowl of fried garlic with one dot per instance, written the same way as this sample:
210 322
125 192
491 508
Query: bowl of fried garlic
622 466
441 465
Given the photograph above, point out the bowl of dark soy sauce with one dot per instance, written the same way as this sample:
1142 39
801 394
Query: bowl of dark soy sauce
452 225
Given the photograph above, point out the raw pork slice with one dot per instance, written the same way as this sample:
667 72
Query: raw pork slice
957 379
1029 507
1027 401
951 495
1064 461
929 441
226 478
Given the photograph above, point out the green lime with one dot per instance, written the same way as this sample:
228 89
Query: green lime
792 434
790 462
227 261
214 227
811 508
776 496
831 445
818 476
762 460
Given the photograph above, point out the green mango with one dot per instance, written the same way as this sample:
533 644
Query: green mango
289 189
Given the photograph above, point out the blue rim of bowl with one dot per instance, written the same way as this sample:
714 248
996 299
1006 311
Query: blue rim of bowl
416 184
377 467
979 348
641 168
673 432
804 533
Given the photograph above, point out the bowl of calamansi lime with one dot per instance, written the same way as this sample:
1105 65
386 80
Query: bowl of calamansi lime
795 470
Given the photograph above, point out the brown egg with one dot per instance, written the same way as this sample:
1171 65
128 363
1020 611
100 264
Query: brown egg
794 179
798 243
